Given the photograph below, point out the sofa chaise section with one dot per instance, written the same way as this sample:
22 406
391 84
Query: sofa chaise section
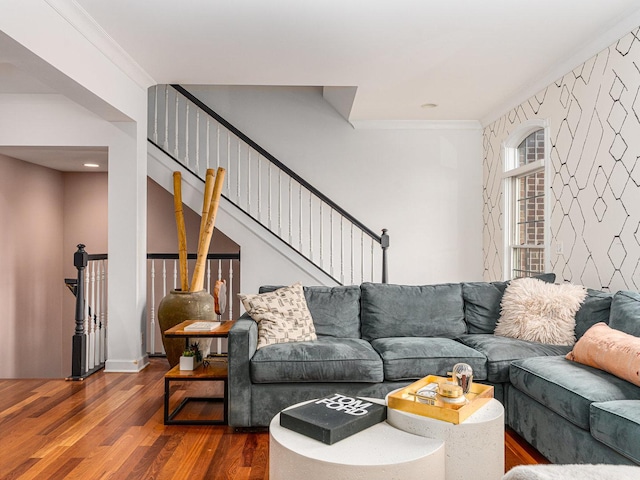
575 413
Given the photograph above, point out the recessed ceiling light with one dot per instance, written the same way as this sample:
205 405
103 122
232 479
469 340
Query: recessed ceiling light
91 165
429 105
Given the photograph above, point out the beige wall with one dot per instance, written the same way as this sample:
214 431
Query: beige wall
44 214
31 286
162 236
85 221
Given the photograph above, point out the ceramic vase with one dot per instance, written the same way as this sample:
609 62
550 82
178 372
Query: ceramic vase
177 307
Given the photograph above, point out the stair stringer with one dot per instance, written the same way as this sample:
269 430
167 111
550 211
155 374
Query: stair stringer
265 259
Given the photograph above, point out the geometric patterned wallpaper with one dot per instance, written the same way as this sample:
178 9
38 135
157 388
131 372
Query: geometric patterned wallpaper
594 197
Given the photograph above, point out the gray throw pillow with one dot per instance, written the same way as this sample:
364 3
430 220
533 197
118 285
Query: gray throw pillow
335 310
595 309
482 305
625 312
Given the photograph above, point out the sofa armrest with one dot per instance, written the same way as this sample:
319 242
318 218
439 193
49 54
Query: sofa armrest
243 340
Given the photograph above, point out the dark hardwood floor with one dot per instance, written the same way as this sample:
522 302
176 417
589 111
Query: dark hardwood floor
110 426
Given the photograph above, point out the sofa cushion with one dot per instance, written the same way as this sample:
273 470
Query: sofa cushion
482 305
594 309
568 388
617 425
409 358
610 350
335 310
327 359
625 312
546 277
501 351
411 311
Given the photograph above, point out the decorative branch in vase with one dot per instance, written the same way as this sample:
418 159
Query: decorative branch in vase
191 302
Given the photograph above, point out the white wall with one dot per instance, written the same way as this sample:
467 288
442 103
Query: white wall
58 45
54 120
423 185
594 204
263 261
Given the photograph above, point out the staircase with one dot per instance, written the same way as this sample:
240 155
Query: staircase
262 197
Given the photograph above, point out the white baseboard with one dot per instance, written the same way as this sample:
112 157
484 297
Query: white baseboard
126 366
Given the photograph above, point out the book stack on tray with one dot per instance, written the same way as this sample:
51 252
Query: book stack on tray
204 326
333 418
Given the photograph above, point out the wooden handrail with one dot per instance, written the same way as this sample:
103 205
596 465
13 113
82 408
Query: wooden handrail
209 111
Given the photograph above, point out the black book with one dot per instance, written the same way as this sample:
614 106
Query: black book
333 418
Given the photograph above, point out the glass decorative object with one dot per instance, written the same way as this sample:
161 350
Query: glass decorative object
462 375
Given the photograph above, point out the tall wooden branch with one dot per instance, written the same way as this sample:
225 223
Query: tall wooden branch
206 203
197 282
182 233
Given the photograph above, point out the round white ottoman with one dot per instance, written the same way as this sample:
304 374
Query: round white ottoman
474 448
380 452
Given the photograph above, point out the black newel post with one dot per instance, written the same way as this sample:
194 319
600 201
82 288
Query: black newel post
384 243
79 352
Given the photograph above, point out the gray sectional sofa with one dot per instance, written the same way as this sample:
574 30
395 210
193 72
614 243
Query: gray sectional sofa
375 338
573 413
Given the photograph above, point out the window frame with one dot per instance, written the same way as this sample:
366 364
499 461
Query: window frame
510 175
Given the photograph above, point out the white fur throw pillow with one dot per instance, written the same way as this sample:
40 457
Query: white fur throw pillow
540 312
573 472
282 315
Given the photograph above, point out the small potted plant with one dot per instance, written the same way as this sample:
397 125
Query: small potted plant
191 357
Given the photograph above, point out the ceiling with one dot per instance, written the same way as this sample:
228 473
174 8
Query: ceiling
474 59
64 159
467 56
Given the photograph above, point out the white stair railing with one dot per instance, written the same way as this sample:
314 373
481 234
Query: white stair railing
90 289
264 188
163 270
89 351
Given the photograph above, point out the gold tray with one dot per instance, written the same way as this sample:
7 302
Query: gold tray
406 399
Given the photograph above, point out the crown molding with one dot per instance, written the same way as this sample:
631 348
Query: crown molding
78 17
415 124
611 34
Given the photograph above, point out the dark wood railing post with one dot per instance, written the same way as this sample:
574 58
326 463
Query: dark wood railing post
384 243
79 351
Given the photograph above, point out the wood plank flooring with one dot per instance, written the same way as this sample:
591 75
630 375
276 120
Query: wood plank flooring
110 426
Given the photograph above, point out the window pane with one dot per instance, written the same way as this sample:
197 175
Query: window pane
528 231
528 262
531 149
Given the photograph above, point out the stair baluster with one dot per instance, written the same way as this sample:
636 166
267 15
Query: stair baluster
190 134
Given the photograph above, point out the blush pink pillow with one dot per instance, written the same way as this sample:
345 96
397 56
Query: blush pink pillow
610 350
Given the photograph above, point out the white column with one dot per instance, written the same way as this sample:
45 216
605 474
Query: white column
127 249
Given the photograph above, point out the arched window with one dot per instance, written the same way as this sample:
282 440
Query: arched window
525 192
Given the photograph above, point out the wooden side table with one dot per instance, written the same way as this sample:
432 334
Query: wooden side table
215 370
